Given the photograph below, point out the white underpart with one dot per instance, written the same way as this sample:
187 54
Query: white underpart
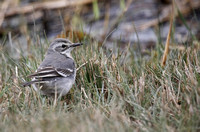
67 52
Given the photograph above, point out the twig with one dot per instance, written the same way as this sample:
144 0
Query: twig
83 64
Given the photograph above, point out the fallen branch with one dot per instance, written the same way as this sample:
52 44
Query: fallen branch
44 6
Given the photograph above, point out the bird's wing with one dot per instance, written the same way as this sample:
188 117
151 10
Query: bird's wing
47 72
52 67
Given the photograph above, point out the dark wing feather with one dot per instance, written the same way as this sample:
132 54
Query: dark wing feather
64 72
48 72
45 72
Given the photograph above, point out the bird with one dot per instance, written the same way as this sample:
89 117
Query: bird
57 72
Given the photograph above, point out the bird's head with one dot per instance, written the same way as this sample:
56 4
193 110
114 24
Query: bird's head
63 46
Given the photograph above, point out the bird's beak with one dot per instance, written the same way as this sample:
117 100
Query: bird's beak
76 44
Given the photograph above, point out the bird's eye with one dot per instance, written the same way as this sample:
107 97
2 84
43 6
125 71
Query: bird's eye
64 46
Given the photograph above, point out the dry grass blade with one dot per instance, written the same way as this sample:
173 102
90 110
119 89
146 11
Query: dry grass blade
168 40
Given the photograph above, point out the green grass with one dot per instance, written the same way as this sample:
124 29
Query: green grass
113 92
